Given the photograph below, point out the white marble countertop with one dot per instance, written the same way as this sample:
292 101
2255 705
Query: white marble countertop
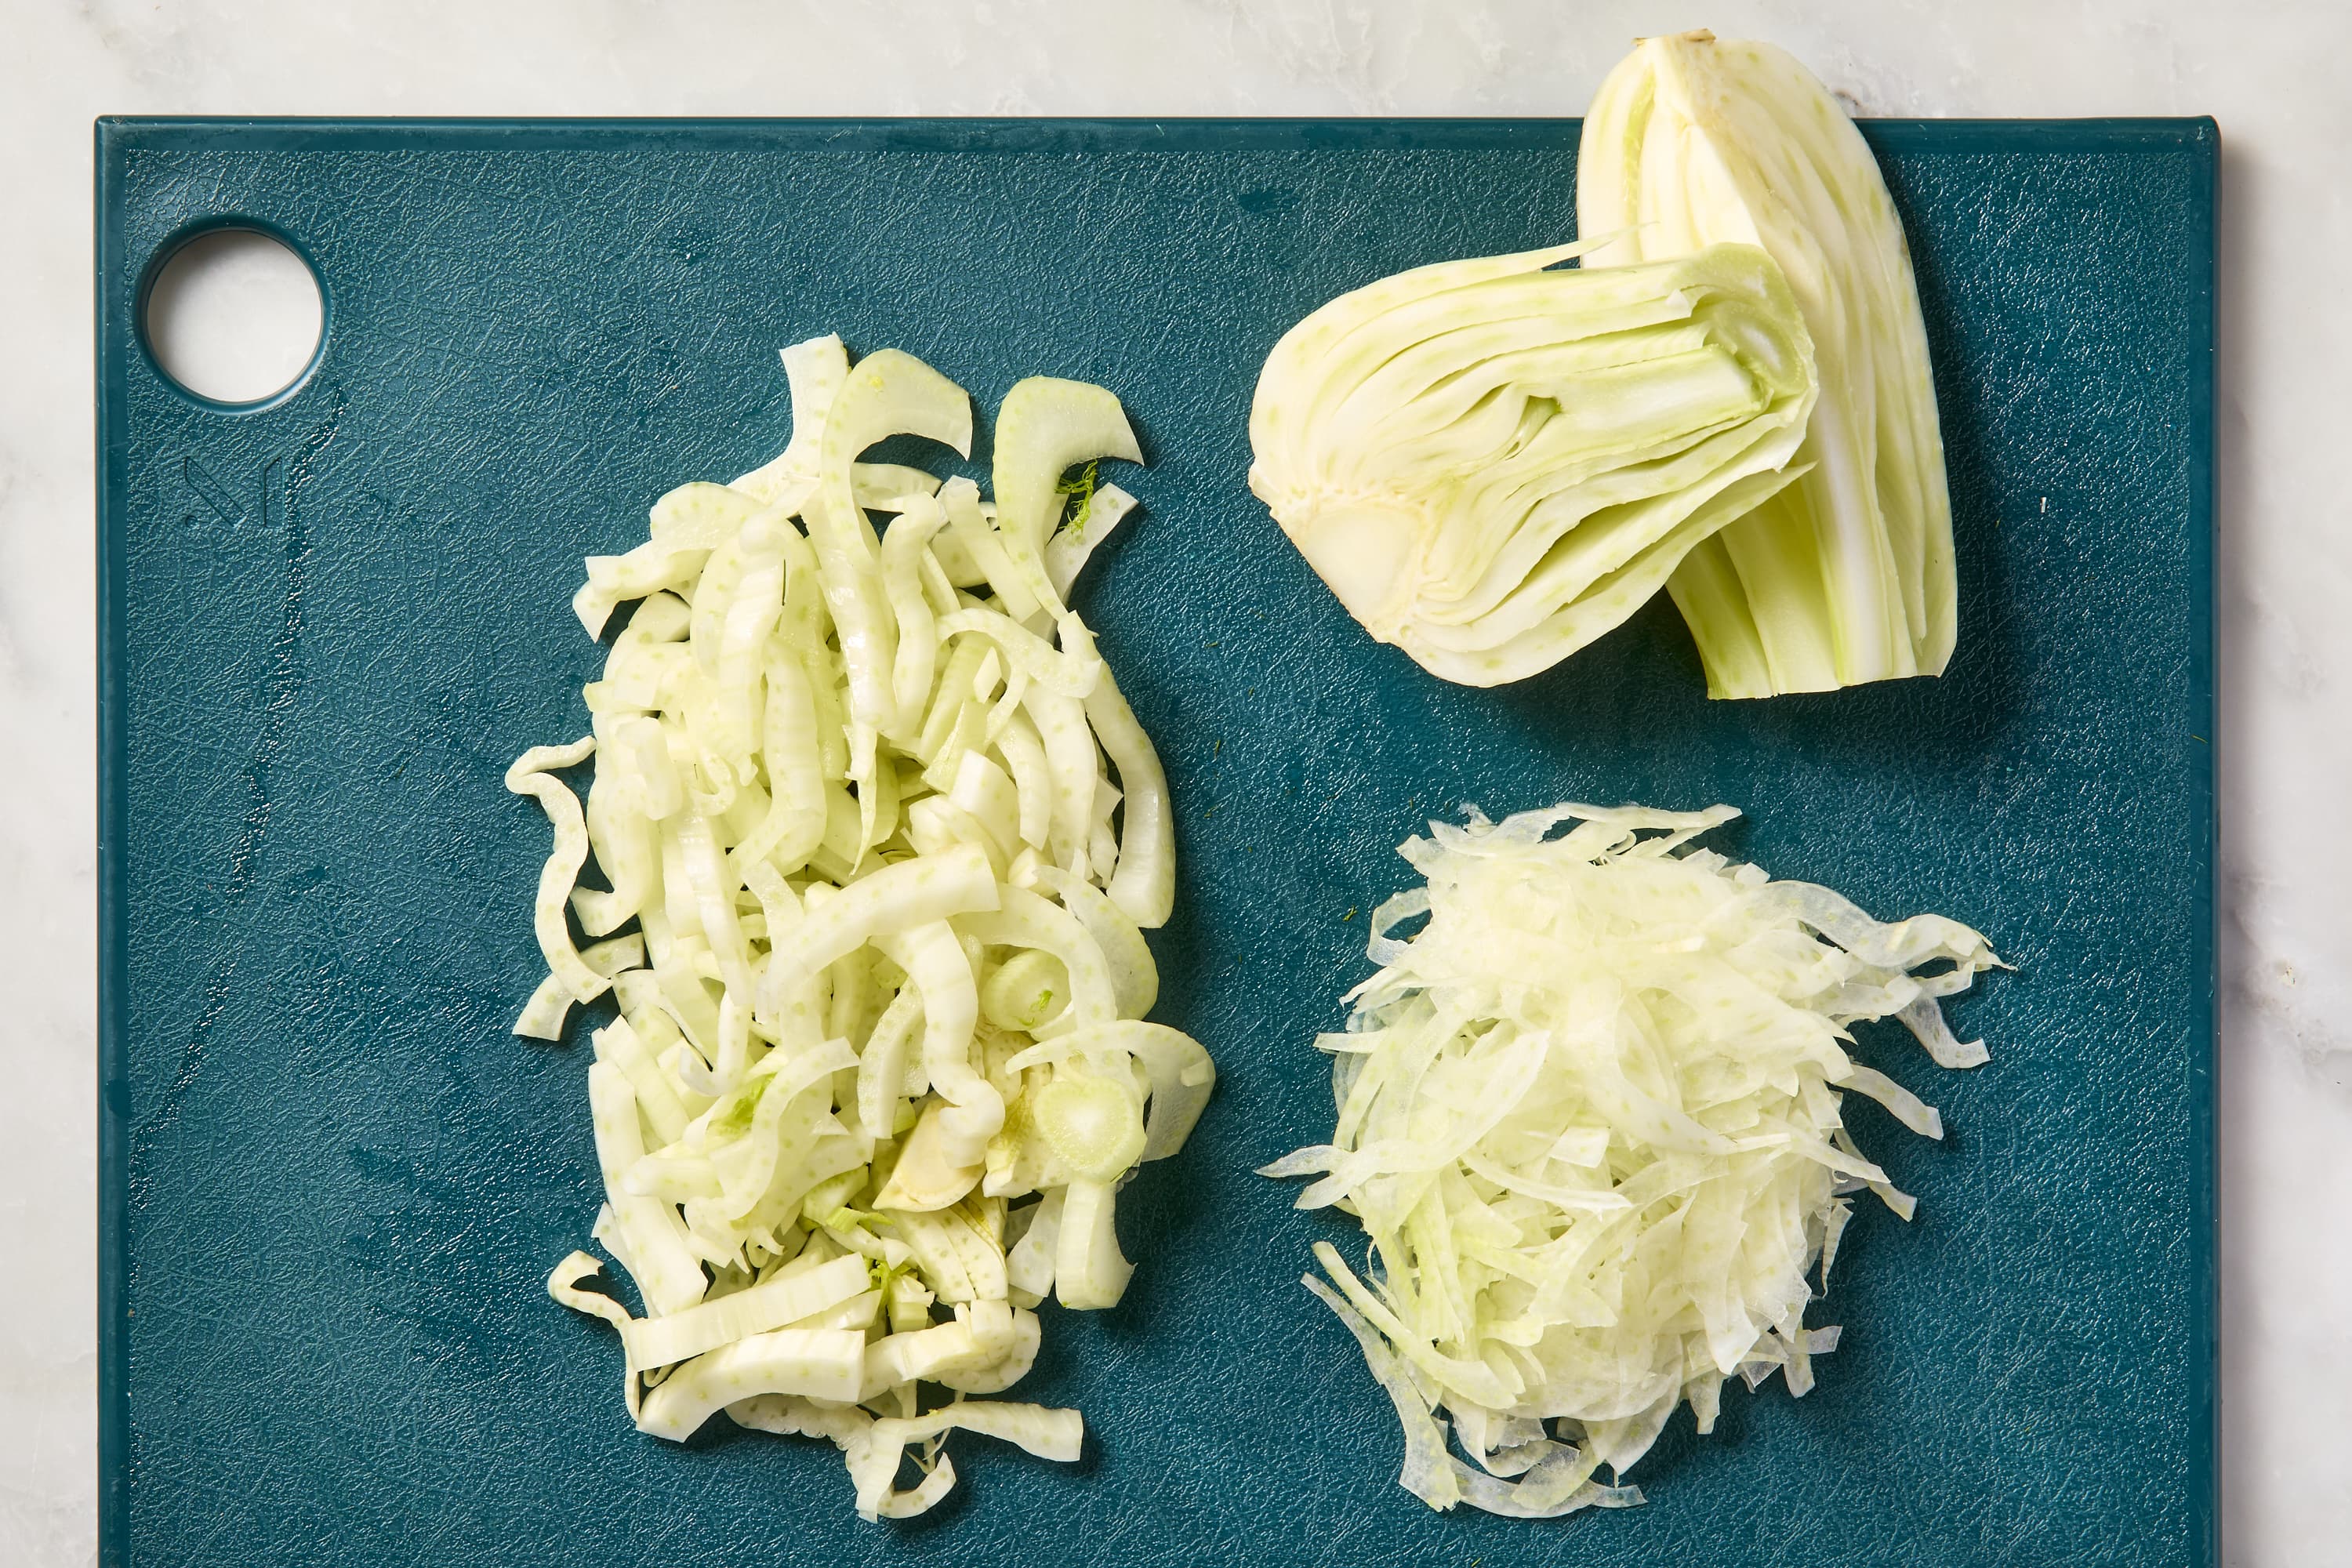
2270 72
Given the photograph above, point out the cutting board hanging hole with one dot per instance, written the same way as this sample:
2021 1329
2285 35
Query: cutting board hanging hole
233 314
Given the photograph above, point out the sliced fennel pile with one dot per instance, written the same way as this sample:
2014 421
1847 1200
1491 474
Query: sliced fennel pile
1846 576
878 1067
1590 1117
1493 461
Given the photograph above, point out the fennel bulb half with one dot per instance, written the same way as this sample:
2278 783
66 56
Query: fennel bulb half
1846 576
1493 461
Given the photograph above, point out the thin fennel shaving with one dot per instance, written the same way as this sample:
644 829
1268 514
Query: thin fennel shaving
1589 1116
879 833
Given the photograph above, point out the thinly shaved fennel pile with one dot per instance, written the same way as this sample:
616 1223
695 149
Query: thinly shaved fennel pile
1589 1116
881 834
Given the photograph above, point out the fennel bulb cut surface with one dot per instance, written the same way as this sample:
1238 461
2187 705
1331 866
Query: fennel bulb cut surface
1846 576
1491 462
1590 1118
879 1066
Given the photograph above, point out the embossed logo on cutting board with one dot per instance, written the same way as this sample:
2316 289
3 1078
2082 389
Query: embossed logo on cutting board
220 498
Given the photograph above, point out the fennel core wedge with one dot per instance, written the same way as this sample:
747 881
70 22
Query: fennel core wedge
1847 575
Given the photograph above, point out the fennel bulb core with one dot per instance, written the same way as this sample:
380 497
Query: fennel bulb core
1367 552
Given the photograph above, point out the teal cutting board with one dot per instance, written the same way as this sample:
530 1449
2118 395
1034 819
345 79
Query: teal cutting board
332 1183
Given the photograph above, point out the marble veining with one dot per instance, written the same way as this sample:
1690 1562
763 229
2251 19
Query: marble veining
2266 72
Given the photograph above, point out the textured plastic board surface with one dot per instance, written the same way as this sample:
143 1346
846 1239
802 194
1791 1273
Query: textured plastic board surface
333 1183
